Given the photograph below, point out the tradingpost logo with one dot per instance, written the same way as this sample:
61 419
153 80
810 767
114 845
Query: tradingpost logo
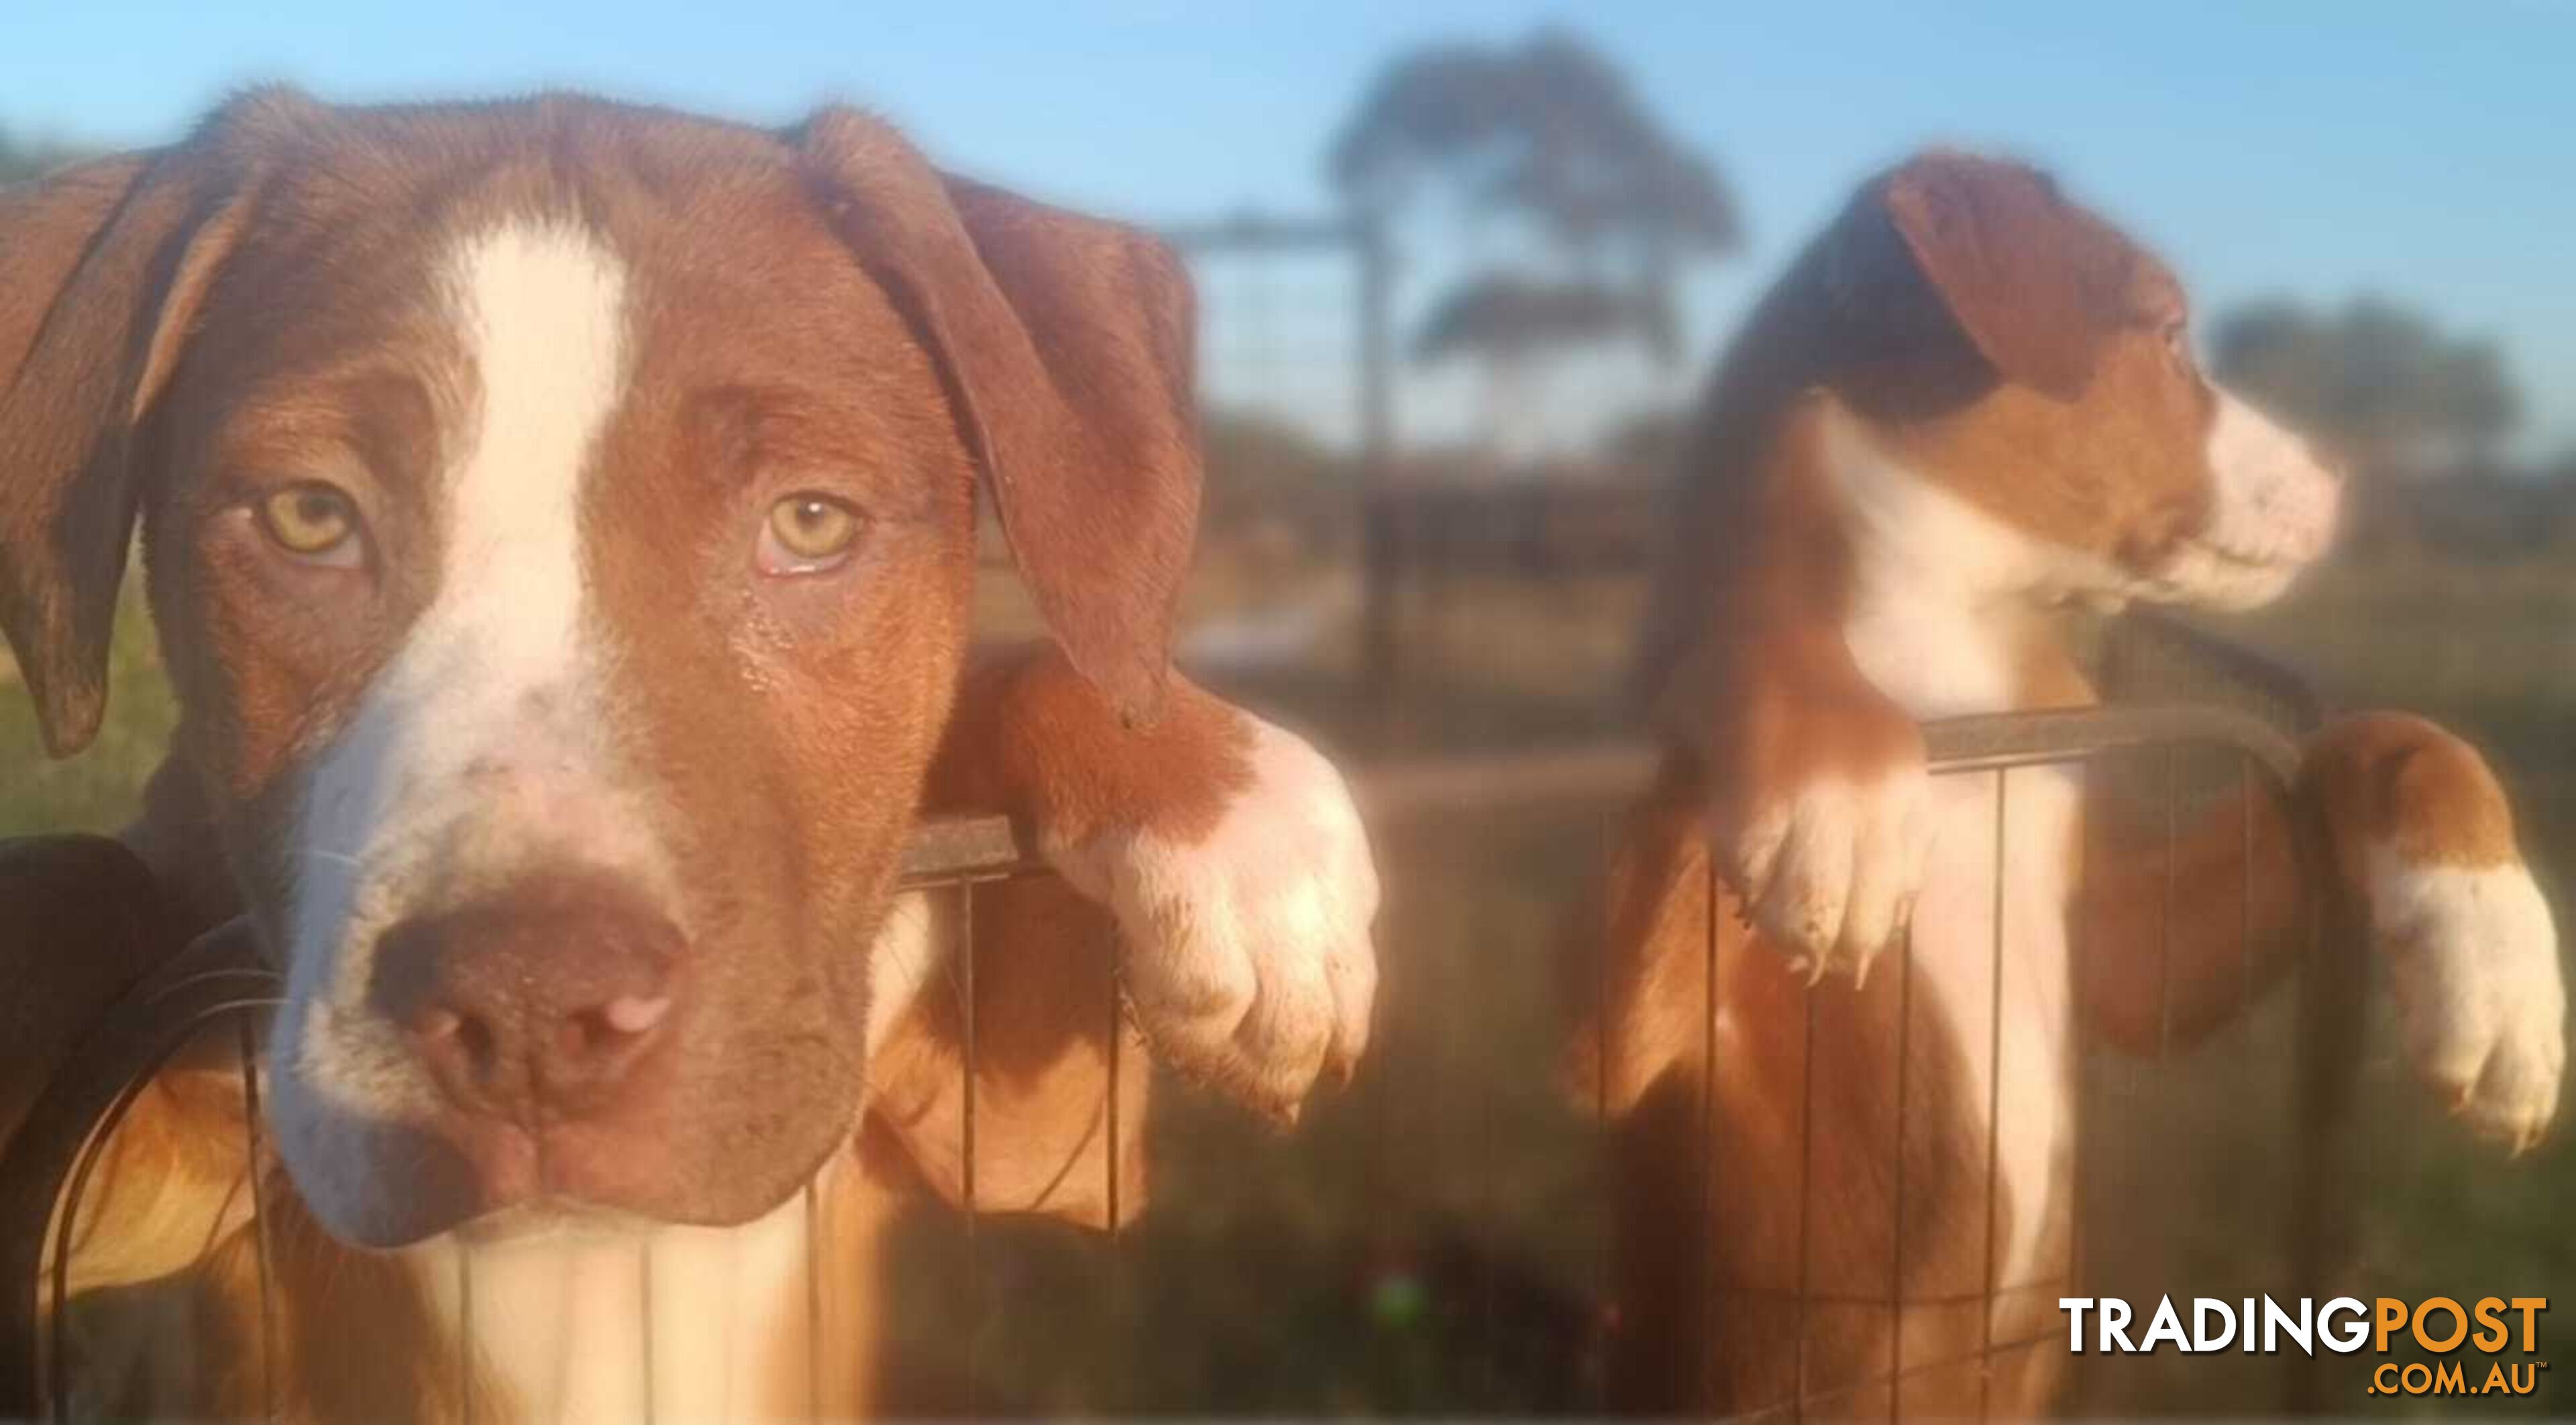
2488 1346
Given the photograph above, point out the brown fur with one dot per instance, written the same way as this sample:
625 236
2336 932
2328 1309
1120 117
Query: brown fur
2390 779
821 307
1081 425
174 1312
2020 352
166 1278
1031 735
1713 1200
180 328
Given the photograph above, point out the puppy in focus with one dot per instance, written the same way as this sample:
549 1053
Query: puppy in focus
558 520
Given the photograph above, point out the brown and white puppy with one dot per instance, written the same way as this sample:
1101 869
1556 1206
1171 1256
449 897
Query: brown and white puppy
1968 402
197 1291
558 520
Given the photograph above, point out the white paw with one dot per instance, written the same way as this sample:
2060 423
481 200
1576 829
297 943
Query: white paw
2473 966
1830 875
1248 959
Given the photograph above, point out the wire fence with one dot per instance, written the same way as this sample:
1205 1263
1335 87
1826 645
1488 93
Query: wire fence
994 1310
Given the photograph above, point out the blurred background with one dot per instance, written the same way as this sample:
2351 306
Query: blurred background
1462 268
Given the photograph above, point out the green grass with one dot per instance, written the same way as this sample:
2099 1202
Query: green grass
100 789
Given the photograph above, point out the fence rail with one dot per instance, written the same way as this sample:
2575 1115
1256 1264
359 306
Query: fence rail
222 983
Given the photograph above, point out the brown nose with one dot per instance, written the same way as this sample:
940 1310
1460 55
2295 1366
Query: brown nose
535 1004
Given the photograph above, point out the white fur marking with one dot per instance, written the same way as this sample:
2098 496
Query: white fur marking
910 945
560 1317
497 675
1936 581
2273 513
2473 967
1846 855
1955 948
1247 952
1941 594
1941 589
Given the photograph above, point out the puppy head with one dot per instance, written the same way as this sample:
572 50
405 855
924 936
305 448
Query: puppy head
2024 353
558 519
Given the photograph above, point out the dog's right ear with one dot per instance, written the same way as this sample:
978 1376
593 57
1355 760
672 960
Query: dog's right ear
102 267
1067 345
2034 281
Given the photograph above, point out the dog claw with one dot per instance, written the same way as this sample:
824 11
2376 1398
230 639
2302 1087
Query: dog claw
1828 877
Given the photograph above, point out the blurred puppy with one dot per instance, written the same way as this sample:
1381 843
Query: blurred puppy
1969 401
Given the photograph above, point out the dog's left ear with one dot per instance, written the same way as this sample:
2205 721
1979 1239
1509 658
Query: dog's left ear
1067 346
2035 281
103 267
100 268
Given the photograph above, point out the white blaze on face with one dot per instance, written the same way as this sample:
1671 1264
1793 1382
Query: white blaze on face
2272 512
480 746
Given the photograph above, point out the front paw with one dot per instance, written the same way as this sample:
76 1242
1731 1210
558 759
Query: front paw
1247 953
1827 869
2473 967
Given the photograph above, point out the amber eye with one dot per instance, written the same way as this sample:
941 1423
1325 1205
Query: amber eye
313 522
808 533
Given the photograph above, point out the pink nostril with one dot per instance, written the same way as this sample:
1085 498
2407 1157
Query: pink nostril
634 1014
546 996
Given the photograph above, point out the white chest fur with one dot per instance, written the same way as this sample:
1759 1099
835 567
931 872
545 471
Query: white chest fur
1990 956
1940 591
670 1323
653 1321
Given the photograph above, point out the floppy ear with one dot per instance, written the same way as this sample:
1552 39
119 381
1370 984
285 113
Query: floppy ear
1066 344
101 270
1061 1078
2033 280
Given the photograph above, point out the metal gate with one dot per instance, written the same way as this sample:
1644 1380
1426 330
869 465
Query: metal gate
220 987
221 991
1988 750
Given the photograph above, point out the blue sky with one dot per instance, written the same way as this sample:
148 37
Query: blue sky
2426 151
